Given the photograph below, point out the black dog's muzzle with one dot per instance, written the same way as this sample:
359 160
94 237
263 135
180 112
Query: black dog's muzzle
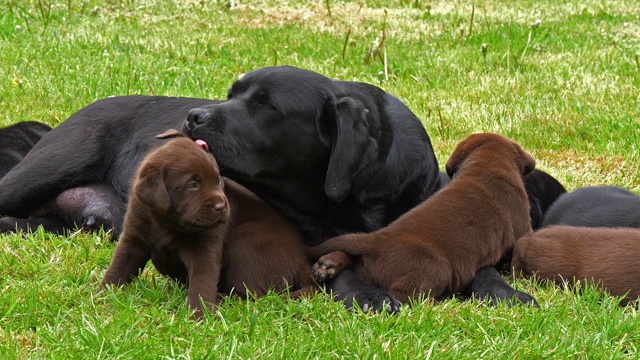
196 117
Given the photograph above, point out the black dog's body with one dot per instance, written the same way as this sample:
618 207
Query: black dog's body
595 206
334 157
88 207
16 140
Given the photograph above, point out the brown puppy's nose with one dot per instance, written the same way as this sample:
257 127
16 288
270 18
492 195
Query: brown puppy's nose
197 116
218 205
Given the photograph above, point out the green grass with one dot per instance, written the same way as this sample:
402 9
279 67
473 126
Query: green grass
562 78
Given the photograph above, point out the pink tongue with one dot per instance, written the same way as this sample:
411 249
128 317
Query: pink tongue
202 144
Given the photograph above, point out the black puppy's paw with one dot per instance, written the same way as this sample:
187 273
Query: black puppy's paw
356 294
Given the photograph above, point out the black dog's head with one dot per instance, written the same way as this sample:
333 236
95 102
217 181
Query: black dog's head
288 124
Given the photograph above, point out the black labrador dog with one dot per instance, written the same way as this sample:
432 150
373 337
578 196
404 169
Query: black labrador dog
333 156
595 206
16 140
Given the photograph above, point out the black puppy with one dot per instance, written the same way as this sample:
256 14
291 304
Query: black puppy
542 190
595 206
16 140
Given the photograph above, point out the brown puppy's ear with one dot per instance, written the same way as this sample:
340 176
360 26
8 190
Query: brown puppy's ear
151 191
528 162
171 133
451 167
352 147
459 154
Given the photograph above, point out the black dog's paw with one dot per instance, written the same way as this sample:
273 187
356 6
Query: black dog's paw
523 298
489 286
510 296
373 299
346 286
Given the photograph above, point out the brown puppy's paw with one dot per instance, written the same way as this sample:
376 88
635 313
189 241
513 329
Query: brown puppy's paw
329 265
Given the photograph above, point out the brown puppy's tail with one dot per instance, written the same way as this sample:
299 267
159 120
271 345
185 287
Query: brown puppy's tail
352 244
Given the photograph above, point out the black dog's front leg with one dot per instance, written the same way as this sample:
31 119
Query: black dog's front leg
348 287
488 285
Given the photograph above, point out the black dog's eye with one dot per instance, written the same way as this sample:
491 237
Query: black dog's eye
192 185
261 98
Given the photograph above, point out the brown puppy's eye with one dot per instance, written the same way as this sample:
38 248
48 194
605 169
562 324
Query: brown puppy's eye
192 185
220 181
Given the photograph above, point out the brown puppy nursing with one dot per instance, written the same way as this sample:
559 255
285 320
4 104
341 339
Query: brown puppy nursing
183 216
608 257
436 248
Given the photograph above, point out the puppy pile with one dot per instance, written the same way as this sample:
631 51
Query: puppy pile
312 170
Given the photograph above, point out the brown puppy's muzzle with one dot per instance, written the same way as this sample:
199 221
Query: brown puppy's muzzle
216 210
219 207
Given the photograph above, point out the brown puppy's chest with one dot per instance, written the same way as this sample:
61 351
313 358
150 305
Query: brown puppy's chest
168 262
169 248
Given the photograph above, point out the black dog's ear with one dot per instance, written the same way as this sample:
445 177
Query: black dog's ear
352 147
151 191
326 124
171 133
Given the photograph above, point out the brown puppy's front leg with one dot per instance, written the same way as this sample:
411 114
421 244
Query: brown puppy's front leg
203 266
330 265
128 260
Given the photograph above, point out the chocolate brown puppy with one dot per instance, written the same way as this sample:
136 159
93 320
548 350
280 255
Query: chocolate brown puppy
262 251
177 217
180 218
436 248
608 257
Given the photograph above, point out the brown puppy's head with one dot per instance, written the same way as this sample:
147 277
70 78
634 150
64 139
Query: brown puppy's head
500 145
180 183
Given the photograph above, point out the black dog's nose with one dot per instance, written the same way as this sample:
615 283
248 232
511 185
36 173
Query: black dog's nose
197 116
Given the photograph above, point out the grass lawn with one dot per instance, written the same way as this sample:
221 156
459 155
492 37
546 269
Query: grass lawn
561 77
